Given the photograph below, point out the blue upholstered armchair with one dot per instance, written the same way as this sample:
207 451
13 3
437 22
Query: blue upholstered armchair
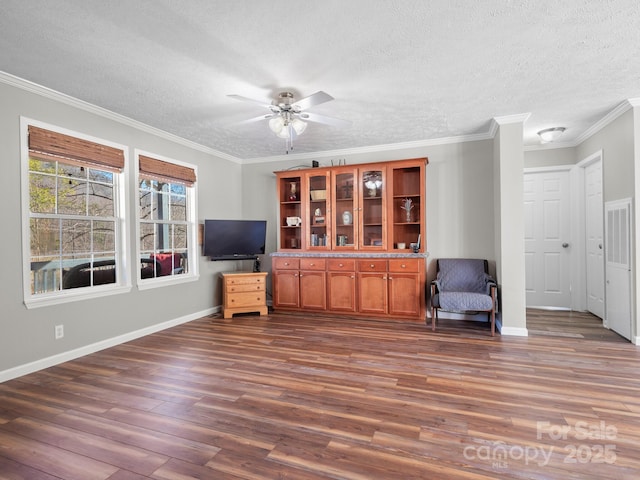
463 285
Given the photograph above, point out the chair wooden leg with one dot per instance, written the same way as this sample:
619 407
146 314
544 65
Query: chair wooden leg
434 316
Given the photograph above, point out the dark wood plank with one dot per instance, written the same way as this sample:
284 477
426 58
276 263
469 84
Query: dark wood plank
291 396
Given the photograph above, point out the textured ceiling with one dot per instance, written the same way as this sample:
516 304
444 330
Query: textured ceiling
400 70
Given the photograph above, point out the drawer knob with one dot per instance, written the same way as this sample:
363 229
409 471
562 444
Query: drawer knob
312 264
403 266
340 265
372 265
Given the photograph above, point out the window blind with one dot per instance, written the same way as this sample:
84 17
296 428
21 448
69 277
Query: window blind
155 169
51 146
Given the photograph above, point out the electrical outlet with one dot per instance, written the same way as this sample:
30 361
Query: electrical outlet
59 331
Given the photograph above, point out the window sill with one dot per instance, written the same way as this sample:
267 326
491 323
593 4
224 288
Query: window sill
149 283
57 298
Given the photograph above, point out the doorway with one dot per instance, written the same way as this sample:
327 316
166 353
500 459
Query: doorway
564 228
594 231
547 239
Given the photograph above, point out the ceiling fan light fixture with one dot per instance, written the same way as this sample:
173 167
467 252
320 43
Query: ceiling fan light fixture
285 132
287 118
551 134
276 124
299 126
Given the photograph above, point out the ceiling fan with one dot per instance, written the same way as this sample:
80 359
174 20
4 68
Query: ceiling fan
288 117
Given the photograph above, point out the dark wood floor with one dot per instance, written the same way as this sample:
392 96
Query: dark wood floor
301 398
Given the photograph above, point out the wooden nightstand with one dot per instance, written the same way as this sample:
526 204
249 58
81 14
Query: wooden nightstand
244 292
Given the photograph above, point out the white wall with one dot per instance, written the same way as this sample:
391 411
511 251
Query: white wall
27 335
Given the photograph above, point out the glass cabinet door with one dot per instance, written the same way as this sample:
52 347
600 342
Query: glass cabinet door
290 212
407 225
344 210
372 208
318 237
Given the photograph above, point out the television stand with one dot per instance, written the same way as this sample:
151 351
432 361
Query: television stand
244 292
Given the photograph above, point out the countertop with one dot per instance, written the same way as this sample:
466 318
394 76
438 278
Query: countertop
350 254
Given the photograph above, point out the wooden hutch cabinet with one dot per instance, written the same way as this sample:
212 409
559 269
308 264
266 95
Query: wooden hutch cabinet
351 239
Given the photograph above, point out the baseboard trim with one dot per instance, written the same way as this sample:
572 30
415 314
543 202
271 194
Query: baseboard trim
514 331
95 347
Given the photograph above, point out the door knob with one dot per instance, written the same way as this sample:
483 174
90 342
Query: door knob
600 246
565 245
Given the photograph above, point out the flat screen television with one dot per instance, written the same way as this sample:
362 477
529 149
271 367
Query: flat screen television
234 239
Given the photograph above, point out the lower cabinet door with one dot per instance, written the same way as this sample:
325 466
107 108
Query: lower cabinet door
404 294
313 290
286 289
342 291
372 293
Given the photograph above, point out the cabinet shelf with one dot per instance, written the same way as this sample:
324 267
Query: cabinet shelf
373 193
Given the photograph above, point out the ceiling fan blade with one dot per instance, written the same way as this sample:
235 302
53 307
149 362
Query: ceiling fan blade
262 103
312 100
314 117
256 119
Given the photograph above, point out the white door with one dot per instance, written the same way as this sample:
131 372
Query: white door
594 242
618 267
547 239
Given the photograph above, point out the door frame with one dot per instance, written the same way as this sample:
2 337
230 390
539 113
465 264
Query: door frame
578 231
577 208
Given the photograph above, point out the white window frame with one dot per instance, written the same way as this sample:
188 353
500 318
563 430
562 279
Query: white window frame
192 274
123 281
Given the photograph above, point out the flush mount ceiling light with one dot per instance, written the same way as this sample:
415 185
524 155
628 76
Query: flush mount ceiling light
551 134
287 118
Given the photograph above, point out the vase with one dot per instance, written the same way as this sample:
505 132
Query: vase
293 192
407 216
347 218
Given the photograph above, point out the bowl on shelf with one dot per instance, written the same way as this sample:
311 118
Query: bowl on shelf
318 195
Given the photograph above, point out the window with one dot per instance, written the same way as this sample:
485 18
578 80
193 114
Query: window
166 219
73 237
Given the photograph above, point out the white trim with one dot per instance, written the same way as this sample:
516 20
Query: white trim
607 119
555 168
549 146
192 246
509 119
95 347
103 112
594 157
579 270
57 298
514 331
121 185
372 149
490 134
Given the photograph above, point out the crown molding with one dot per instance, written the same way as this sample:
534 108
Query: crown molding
31 87
372 148
607 119
495 123
508 119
